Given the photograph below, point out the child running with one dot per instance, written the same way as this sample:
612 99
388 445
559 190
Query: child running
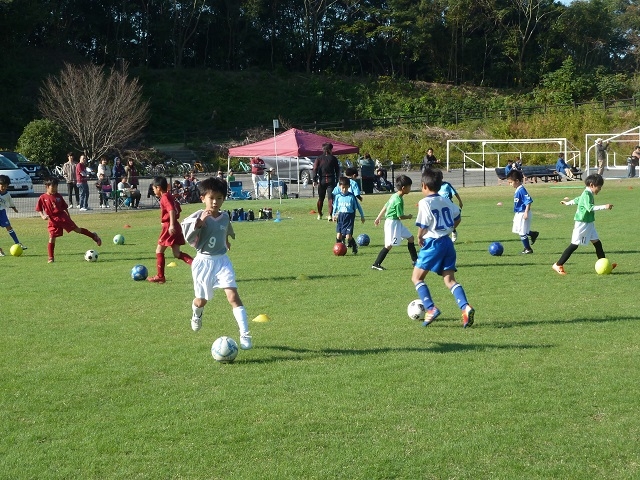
51 206
584 229
7 201
208 231
437 217
345 204
171 233
394 230
522 211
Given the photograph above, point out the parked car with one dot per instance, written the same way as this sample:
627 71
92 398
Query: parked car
37 172
294 169
21 183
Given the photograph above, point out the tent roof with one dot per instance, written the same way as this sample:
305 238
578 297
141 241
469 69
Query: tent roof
292 143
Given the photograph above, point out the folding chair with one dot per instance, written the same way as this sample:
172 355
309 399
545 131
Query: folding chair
237 193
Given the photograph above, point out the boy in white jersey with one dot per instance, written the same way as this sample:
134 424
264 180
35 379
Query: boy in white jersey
437 217
208 231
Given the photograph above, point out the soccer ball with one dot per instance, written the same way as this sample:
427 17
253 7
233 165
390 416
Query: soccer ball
363 240
603 266
118 239
224 350
339 249
139 272
496 249
415 310
15 250
91 256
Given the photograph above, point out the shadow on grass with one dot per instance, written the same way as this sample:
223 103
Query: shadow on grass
293 353
558 322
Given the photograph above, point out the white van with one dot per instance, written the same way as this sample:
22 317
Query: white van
21 183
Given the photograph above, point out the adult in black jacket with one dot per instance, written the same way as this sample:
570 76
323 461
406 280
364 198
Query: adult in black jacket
326 171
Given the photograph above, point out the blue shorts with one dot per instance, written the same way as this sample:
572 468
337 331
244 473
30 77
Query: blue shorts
437 255
345 223
4 220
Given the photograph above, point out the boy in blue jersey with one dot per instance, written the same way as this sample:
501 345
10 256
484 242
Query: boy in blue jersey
522 212
351 173
208 231
7 202
394 230
345 205
437 217
584 230
449 192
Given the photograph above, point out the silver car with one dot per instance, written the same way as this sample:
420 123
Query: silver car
292 169
21 183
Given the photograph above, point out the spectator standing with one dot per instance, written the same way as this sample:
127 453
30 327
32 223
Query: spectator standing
257 172
601 154
367 172
69 174
81 180
103 168
132 174
104 190
633 162
326 171
118 171
429 160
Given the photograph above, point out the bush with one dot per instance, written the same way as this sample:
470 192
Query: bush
45 142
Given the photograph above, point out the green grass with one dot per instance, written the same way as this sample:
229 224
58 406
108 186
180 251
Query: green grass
102 377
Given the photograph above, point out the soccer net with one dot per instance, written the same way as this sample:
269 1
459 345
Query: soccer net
492 153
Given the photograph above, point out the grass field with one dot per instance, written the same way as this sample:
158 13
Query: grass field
102 377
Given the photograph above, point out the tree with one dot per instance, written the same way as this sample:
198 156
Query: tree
44 141
100 110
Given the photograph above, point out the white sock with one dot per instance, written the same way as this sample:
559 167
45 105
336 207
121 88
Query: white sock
197 310
241 317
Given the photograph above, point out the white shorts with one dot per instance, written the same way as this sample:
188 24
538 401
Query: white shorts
211 271
584 233
520 225
394 232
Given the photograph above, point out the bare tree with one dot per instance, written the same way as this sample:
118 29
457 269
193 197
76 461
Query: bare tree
100 110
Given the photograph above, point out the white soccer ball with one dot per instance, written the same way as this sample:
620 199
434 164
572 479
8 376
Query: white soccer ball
224 350
415 310
91 256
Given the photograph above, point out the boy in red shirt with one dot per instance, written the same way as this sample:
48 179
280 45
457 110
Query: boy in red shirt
171 234
51 206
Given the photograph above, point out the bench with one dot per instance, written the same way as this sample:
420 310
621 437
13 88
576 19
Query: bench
543 172
501 175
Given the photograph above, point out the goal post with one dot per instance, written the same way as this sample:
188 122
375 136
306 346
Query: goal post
493 153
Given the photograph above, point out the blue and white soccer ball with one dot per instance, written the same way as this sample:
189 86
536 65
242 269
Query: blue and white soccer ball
224 350
415 310
363 240
139 272
91 256
118 239
496 249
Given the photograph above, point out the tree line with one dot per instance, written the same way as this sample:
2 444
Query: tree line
497 43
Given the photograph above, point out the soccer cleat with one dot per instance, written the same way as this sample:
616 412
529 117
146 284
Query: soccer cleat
354 249
467 316
245 341
375 266
319 216
50 260
196 322
526 251
329 218
156 279
534 237
559 269
2 253
22 246
97 239
430 315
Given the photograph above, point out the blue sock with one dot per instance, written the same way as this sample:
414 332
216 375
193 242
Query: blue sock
525 242
424 295
14 236
461 298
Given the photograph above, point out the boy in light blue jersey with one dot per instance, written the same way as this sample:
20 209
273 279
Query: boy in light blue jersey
345 205
437 217
522 211
7 202
584 230
208 231
449 192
